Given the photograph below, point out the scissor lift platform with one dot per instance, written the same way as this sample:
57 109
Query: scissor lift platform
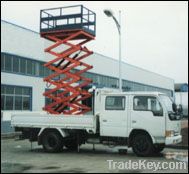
69 28
65 21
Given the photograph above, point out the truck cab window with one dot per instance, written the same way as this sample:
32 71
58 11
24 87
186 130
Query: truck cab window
115 103
148 103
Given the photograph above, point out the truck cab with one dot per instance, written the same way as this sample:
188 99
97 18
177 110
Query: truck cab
145 121
141 117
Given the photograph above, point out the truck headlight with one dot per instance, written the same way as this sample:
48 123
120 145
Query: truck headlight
169 133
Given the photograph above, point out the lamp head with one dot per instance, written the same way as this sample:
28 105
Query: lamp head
108 13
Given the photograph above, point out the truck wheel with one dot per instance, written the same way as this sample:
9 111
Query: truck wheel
71 144
142 145
158 148
52 142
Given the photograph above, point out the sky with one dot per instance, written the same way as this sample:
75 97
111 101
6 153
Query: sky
154 33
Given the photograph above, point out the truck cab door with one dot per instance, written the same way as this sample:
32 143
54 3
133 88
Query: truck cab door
147 114
113 119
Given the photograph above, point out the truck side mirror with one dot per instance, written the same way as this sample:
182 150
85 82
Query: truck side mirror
180 109
174 106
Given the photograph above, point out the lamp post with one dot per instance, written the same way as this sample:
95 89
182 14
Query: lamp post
109 13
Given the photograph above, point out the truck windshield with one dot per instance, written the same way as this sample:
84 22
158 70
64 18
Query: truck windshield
168 102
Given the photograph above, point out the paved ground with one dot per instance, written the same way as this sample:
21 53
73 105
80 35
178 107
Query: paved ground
17 157
184 132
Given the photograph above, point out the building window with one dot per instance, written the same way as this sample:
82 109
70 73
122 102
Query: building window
16 65
2 61
26 103
115 103
8 63
2 102
23 66
41 70
15 98
18 102
9 102
47 72
29 67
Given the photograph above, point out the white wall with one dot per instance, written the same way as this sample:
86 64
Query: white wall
21 42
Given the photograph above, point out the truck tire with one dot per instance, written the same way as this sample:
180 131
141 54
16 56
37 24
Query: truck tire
142 145
52 142
158 148
71 144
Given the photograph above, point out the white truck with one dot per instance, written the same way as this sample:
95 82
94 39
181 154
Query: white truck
145 121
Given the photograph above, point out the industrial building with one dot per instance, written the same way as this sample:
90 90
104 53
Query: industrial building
181 97
22 71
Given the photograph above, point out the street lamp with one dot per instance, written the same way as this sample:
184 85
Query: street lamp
109 13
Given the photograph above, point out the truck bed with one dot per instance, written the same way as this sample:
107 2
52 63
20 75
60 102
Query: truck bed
42 120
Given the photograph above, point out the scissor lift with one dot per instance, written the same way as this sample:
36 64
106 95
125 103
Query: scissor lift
68 29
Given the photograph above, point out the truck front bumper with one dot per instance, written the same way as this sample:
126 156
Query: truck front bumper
173 140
